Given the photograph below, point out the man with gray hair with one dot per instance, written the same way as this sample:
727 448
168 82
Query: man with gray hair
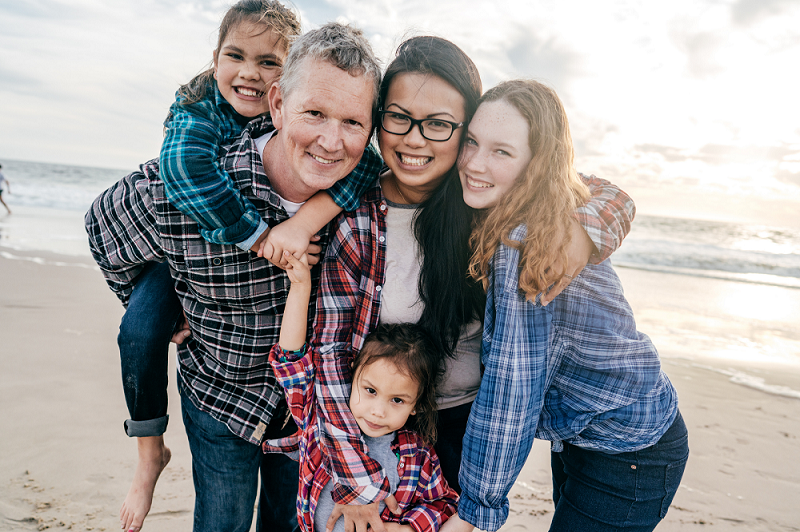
321 120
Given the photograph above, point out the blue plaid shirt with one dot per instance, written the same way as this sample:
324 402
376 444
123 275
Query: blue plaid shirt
575 371
200 188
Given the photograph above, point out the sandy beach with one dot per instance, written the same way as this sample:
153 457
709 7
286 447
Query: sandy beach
65 462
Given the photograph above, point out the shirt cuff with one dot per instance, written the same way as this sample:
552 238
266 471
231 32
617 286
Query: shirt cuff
247 244
482 517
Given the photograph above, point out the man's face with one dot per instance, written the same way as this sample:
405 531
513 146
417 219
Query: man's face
324 124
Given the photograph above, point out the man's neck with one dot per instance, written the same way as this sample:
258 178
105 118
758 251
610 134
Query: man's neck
279 171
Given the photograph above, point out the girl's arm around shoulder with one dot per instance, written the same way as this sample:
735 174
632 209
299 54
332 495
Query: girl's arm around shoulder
346 192
295 234
195 182
606 217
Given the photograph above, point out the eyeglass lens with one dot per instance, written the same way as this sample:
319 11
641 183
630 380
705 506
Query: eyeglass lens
431 128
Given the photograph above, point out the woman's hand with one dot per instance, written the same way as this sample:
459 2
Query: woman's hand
358 517
579 251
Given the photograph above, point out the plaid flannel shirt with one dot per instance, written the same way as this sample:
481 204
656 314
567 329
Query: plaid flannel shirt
202 189
425 499
575 371
348 310
233 300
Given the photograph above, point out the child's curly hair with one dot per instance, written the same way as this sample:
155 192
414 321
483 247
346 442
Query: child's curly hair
412 349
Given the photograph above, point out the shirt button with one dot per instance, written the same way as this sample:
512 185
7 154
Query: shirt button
217 261
633 467
378 288
382 239
383 206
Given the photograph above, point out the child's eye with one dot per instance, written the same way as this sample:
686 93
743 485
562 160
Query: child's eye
502 152
268 63
397 401
370 391
234 56
471 142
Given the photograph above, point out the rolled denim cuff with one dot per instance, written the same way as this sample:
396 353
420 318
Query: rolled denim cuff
149 427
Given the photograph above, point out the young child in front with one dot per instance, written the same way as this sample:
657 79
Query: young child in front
254 39
393 400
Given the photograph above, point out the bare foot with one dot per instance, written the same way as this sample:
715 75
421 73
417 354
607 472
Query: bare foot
153 458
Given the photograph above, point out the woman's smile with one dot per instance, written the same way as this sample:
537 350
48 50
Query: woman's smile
417 164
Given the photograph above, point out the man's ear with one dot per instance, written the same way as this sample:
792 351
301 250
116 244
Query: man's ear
275 99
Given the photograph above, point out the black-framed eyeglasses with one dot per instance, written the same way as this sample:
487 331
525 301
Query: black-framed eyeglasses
434 129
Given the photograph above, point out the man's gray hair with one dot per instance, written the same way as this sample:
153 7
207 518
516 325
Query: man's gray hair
342 46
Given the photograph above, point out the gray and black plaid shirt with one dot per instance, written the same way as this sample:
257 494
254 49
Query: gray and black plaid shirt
233 300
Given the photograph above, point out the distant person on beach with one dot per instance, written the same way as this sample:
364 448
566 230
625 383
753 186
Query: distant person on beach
393 400
319 124
210 110
576 372
4 186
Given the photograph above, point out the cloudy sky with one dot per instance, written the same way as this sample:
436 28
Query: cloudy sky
690 105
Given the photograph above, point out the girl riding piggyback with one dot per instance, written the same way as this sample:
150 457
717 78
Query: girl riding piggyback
208 112
254 39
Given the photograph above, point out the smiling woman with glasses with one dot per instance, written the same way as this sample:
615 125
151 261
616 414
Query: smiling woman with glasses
434 129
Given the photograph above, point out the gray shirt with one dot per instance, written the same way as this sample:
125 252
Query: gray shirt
379 449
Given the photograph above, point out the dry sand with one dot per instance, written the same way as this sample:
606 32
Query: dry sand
65 462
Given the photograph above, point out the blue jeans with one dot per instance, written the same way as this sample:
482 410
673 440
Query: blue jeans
144 335
628 491
225 470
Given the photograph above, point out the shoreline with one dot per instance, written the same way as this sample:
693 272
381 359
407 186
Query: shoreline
65 461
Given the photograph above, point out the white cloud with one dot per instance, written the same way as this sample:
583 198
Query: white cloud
649 86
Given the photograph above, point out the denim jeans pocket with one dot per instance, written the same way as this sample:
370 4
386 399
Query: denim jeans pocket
672 480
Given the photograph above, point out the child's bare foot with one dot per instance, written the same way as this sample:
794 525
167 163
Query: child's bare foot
153 458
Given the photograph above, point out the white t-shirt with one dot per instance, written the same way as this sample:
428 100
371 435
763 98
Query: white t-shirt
261 142
400 303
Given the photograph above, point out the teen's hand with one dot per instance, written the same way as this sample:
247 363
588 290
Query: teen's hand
579 251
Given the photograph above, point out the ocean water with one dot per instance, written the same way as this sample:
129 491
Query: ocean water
48 202
731 291
740 252
723 250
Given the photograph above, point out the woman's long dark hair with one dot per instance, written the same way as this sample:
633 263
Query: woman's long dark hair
443 224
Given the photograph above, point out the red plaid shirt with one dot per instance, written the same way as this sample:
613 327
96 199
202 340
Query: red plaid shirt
425 499
348 309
